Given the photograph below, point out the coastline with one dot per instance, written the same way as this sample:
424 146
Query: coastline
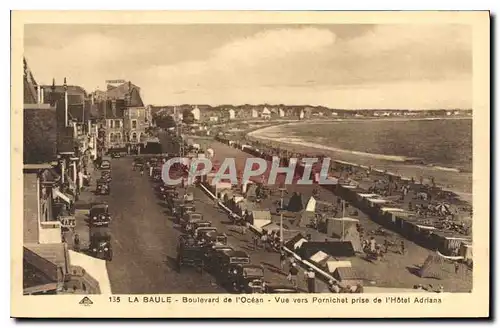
448 178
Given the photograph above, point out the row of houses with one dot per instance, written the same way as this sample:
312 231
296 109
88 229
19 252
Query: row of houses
65 129
205 113
58 145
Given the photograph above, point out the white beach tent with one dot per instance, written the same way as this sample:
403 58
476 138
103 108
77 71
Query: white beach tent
311 205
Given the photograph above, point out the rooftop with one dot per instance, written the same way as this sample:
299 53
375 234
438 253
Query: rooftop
30 206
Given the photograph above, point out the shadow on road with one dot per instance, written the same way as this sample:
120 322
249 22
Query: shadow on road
171 263
414 270
273 268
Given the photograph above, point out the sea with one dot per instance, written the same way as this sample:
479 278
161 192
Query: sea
442 143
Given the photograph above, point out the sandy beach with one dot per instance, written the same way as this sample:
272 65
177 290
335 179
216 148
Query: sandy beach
458 182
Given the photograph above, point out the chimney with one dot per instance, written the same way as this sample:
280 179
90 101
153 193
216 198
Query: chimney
52 93
65 103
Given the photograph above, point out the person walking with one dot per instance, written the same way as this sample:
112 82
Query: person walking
282 260
263 240
292 274
243 228
402 247
457 267
255 242
311 280
76 244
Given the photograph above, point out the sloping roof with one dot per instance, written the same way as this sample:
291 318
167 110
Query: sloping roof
73 90
55 253
128 91
291 243
40 135
347 273
332 248
30 93
261 215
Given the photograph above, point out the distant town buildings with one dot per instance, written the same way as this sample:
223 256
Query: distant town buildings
122 116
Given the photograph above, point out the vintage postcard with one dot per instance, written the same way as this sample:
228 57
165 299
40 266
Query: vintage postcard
250 164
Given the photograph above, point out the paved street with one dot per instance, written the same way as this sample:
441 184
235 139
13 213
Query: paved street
145 240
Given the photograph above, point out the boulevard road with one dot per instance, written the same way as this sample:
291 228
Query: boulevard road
144 240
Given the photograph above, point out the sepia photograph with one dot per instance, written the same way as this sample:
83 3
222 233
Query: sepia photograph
182 161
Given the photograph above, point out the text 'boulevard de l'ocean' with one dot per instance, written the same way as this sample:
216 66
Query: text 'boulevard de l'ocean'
281 300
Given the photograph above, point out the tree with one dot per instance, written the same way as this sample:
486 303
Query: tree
187 116
165 122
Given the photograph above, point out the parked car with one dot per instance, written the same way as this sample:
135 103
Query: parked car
99 215
100 244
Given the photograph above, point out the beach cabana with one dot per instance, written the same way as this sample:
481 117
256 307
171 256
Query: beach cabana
348 276
260 218
333 265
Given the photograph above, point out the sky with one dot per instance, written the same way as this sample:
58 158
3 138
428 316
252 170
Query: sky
340 66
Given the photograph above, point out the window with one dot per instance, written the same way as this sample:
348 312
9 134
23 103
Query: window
111 124
134 124
117 123
133 137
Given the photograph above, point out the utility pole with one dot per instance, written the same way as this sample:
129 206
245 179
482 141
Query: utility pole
343 216
282 190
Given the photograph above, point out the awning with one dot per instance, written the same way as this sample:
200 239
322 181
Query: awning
377 201
63 196
367 195
392 209
96 268
426 227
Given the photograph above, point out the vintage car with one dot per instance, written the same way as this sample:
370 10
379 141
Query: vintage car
189 252
190 217
201 233
198 224
116 155
216 238
102 187
99 215
100 244
156 174
280 289
225 255
138 163
106 175
105 163
164 187
227 266
169 194
244 278
182 209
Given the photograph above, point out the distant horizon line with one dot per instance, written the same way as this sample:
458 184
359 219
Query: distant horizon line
316 107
